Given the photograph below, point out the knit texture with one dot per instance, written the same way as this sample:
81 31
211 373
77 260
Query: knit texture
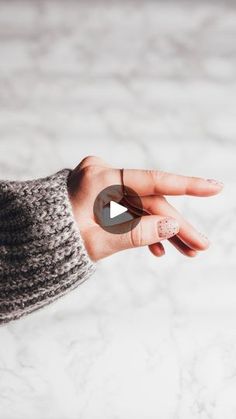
42 255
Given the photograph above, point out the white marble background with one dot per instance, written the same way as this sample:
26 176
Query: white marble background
142 84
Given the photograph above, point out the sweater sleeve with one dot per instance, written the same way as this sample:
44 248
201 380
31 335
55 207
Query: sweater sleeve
42 254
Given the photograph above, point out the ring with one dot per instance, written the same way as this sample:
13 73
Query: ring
122 181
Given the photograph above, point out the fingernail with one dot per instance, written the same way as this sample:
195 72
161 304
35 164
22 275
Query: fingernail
204 236
215 182
167 228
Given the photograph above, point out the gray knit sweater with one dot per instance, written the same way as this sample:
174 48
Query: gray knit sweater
42 255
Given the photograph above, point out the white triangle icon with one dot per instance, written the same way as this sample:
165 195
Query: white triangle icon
116 209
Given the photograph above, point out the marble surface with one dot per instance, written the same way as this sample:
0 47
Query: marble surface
149 84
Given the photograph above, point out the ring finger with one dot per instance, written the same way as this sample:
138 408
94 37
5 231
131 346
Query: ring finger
187 233
158 205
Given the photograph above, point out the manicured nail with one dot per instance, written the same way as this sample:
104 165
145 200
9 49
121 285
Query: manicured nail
204 236
215 182
168 227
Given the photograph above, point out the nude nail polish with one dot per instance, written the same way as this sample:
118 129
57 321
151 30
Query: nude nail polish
203 236
168 227
215 182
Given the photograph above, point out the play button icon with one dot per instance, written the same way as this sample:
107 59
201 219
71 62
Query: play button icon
117 209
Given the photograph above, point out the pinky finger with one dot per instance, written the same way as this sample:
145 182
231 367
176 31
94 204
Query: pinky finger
157 249
182 247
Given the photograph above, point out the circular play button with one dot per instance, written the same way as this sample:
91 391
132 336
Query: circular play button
117 209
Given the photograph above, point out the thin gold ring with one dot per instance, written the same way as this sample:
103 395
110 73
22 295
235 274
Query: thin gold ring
132 208
122 181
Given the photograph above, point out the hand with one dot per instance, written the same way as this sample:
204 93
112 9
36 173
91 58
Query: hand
164 222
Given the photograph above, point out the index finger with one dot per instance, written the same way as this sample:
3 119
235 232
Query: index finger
156 182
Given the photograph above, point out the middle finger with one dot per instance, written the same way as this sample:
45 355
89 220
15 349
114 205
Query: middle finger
158 205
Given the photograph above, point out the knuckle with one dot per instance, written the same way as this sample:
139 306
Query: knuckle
157 174
87 160
92 175
156 177
89 172
92 161
188 183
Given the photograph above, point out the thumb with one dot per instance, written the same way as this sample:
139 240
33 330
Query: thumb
150 229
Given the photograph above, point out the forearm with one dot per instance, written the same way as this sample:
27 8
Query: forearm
42 255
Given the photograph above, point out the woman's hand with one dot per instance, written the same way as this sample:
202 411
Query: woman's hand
163 221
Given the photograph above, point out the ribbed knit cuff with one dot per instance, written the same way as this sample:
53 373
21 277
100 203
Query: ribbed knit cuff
42 254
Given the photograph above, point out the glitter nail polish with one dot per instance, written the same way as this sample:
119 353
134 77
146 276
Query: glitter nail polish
203 236
215 182
168 227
